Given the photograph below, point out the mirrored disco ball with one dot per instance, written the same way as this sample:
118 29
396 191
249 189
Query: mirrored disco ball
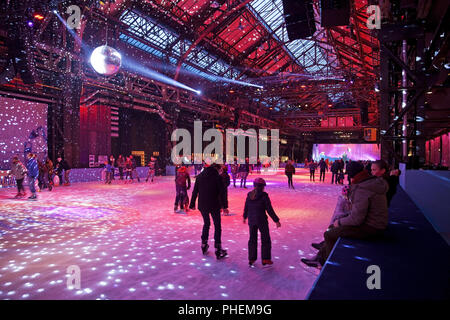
106 60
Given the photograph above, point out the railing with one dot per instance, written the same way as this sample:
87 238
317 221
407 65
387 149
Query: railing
5 180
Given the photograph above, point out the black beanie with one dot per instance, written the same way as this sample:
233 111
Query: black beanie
353 168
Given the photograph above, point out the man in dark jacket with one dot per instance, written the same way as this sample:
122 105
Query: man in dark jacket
256 206
234 172
210 190
323 167
133 168
33 173
61 165
289 171
244 170
335 171
312 170
368 216
226 182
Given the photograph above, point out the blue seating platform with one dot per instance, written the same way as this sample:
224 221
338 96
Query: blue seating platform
414 261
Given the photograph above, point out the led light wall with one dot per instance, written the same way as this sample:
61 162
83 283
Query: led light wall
23 128
346 151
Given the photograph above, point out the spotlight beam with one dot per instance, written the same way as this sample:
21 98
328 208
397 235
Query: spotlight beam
76 37
140 69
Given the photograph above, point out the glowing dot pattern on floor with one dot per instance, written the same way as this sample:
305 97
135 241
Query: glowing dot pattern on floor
129 244
28 223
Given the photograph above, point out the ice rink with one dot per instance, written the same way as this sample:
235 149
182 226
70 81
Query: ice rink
129 244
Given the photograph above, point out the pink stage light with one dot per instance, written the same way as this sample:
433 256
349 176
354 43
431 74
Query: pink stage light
346 151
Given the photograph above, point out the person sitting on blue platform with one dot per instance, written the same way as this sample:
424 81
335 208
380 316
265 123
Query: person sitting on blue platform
368 215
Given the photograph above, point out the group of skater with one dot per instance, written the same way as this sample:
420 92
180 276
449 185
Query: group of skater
361 210
127 167
211 190
323 165
41 175
338 169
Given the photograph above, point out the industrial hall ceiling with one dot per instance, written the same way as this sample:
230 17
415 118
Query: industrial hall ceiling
241 56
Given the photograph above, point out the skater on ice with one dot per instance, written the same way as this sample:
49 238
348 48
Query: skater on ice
210 191
256 206
18 170
33 173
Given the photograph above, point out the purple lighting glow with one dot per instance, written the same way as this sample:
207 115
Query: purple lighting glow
346 151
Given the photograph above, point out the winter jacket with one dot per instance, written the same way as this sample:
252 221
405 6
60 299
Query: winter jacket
290 169
234 168
210 191
392 182
323 166
244 167
121 162
32 167
133 164
225 179
226 182
18 170
312 166
182 178
49 165
63 165
335 167
368 204
256 206
42 168
152 165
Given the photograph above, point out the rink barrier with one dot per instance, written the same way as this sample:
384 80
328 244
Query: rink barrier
95 174
75 175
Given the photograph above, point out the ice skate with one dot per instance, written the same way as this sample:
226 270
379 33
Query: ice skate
32 197
18 195
205 248
251 263
220 254
312 263
175 209
317 246
267 262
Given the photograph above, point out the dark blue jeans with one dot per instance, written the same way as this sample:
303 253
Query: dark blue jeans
181 196
290 183
32 181
266 243
334 177
215 214
244 176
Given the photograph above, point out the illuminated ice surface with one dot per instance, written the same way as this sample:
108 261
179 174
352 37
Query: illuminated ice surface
129 244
